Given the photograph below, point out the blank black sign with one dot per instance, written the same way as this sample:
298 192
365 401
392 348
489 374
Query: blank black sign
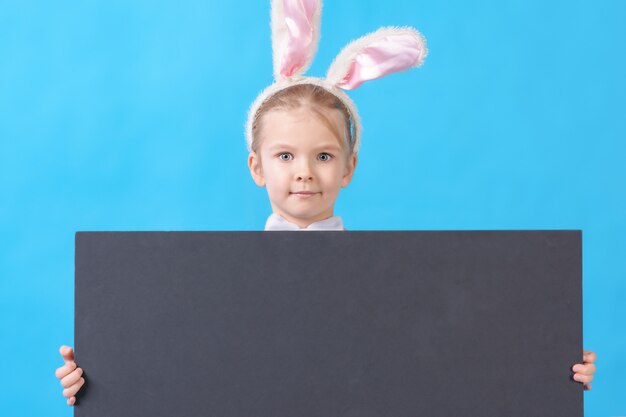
329 323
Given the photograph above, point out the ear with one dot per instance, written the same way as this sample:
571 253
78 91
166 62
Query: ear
254 164
349 171
388 50
295 35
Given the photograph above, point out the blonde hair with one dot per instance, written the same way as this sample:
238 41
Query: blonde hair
318 101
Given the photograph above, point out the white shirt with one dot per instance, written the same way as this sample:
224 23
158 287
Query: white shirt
278 222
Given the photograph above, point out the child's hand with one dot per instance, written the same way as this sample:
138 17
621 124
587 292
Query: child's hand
70 376
584 372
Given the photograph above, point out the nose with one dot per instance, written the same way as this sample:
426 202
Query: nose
304 171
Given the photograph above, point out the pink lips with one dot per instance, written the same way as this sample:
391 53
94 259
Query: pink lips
304 194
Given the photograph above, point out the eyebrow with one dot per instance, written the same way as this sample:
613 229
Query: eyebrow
324 146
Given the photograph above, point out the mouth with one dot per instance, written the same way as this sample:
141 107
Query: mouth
304 194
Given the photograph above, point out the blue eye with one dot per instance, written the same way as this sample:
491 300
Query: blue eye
327 155
324 156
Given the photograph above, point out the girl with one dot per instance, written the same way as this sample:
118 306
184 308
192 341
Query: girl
303 177
303 133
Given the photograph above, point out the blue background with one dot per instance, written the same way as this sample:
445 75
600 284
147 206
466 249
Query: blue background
118 115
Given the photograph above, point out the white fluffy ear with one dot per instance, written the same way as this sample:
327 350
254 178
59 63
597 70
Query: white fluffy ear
385 51
295 35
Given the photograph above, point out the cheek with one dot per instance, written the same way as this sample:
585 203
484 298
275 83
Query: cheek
332 177
276 176
339 170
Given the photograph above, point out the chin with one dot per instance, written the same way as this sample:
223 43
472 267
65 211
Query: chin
303 214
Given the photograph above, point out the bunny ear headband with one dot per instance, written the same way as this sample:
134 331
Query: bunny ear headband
295 36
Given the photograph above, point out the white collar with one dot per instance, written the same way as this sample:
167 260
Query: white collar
278 222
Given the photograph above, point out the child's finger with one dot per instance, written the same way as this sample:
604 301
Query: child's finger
589 356
72 378
65 370
71 401
71 391
587 387
583 378
67 353
586 369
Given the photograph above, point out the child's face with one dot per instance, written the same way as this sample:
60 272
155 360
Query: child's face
298 152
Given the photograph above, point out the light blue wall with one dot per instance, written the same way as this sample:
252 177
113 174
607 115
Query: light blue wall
128 115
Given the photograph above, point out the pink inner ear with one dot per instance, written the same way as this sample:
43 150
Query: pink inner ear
383 57
300 38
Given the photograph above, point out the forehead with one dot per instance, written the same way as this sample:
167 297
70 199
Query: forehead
301 128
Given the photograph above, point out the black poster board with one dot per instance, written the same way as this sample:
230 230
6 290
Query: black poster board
329 323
